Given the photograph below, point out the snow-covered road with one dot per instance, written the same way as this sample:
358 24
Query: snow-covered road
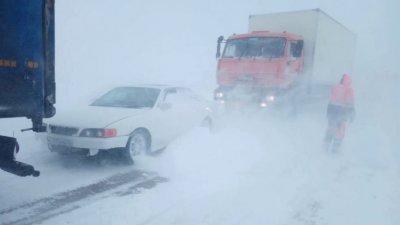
259 170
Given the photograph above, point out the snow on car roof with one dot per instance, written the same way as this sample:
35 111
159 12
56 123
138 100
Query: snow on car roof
160 86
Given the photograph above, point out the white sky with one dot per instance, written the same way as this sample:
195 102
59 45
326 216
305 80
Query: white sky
174 41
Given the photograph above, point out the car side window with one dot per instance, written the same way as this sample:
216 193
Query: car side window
189 94
170 95
178 99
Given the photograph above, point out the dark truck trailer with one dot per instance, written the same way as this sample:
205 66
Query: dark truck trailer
27 74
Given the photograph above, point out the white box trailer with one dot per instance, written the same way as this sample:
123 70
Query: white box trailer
329 47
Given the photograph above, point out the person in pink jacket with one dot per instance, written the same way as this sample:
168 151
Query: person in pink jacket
340 110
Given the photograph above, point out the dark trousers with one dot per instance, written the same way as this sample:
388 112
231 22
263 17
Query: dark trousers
337 118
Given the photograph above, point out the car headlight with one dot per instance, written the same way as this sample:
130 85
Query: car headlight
99 133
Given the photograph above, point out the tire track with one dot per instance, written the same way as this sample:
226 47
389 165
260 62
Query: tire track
45 208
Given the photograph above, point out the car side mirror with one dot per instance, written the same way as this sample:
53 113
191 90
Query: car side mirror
165 106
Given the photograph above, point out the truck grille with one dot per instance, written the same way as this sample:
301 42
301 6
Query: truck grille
68 131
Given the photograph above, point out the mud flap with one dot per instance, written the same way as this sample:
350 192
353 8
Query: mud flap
8 149
19 168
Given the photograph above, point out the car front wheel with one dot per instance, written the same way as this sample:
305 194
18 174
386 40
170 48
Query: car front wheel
138 144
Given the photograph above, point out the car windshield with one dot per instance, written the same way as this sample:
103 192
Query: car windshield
262 47
129 97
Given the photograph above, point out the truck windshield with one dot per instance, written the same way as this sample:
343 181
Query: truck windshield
129 97
261 47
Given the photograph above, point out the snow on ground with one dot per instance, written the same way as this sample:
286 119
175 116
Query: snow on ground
236 177
259 170
57 173
250 170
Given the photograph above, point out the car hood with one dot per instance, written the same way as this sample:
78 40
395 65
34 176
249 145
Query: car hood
94 116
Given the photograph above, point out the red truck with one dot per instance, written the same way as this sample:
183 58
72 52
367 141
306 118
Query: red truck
283 54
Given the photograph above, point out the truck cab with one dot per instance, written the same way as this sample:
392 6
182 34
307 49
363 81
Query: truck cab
262 61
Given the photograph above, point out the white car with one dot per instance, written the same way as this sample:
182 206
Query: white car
132 120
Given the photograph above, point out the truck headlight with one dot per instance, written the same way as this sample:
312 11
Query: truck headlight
263 104
270 98
219 94
99 133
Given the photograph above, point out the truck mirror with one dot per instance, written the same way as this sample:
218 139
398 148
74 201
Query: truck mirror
298 49
219 41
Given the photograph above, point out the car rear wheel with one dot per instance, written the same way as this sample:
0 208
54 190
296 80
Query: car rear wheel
138 144
207 123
